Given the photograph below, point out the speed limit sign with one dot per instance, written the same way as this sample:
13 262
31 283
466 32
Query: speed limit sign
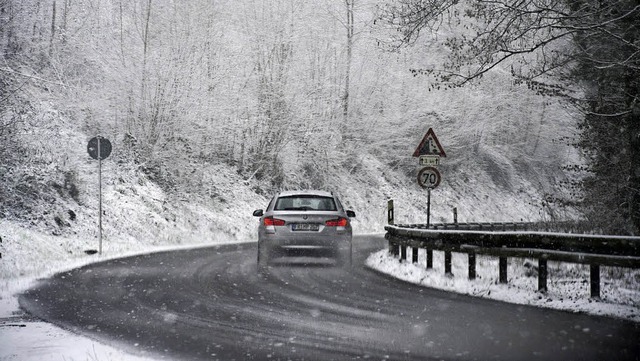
429 177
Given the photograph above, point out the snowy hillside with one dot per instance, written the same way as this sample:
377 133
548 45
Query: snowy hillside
214 107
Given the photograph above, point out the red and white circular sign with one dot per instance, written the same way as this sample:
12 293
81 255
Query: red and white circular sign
429 177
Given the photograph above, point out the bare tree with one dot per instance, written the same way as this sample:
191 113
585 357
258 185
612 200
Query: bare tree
349 25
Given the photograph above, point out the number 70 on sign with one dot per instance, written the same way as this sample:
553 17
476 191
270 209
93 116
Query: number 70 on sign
429 177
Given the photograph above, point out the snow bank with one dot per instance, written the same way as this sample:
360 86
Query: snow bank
568 287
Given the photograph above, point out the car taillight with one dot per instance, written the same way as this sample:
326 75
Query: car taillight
270 221
340 222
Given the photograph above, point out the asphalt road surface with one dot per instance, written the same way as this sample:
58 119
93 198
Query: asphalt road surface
210 304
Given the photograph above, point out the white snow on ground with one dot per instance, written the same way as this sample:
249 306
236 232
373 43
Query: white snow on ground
568 284
40 341
25 339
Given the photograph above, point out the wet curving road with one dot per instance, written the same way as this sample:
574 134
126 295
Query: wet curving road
210 304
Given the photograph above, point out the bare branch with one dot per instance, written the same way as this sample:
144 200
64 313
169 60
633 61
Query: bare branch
11 71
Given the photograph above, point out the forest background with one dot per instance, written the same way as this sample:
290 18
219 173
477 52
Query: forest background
214 105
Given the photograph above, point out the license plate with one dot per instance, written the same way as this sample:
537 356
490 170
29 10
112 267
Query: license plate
304 227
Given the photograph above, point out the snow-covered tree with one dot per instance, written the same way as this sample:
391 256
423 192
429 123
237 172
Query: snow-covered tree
585 51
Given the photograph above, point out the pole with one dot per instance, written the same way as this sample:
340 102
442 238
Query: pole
99 197
428 208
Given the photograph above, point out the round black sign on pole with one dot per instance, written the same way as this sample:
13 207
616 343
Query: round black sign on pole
99 148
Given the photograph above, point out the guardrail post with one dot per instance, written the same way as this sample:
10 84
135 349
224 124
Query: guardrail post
472 266
447 263
594 271
403 253
429 258
503 269
414 255
542 275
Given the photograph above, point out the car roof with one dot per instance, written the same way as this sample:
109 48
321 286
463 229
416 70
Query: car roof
305 193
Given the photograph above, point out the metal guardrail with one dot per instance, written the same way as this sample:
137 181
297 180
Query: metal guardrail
522 240
570 227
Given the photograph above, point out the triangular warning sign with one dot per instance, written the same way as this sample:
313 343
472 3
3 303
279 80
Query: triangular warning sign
429 145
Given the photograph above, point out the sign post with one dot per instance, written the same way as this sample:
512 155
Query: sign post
429 178
428 208
99 148
429 153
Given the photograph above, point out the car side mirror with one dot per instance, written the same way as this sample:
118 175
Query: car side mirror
258 213
351 214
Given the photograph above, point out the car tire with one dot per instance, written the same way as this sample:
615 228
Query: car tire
344 257
263 258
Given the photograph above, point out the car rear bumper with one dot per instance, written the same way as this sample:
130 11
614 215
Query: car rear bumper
299 244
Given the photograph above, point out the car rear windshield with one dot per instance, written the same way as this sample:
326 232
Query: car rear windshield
305 202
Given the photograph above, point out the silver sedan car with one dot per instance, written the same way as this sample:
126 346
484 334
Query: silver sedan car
304 224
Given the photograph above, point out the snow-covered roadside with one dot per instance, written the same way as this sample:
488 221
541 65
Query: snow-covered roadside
139 219
568 283
26 339
41 341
